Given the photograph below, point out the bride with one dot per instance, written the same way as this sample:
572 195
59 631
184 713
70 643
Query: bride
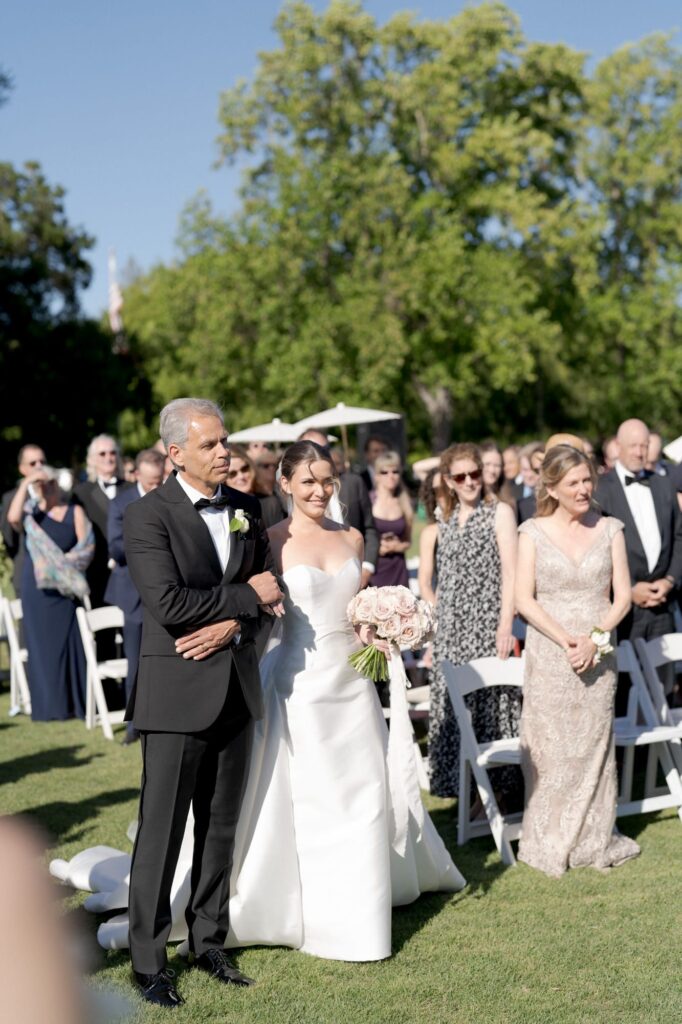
317 866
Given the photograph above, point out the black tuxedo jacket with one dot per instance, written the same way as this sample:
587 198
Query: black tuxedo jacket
121 590
174 565
610 496
96 505
358 512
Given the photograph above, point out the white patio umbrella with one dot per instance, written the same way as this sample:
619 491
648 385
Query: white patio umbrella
275 432
674 450
344 416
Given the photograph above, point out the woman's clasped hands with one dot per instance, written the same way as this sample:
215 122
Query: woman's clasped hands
580 651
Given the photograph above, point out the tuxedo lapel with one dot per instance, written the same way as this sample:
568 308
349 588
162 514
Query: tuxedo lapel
236 555
621 510
101 503
657 495
189 520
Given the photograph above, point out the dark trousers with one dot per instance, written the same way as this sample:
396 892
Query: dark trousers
132 639
206 770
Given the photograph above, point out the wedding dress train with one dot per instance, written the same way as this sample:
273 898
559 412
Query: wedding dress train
317 861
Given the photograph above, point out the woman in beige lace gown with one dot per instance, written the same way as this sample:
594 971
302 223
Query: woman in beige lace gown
570 561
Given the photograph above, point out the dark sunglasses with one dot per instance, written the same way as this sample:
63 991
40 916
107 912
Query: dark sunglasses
108 453
232 473
36 462
389 472
459 478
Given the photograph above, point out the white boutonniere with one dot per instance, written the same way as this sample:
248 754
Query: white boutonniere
240 522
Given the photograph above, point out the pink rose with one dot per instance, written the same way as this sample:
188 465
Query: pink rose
410 634
383 605
405 601
363 607
390 628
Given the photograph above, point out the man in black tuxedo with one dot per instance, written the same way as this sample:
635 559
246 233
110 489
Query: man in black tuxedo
647 504
357 507
121 591
31 457
199 557
105 481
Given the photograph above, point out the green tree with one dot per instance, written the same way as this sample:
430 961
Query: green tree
440 217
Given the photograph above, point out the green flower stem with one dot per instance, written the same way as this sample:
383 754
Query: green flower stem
370 662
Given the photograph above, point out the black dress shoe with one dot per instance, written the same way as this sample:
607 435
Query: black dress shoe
159 988
218 964
130 738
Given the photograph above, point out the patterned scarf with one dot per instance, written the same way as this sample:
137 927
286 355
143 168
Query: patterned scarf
55 569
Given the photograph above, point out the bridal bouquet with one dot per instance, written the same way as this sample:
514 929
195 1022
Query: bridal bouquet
397 616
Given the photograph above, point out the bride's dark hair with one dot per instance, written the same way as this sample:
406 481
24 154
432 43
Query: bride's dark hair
302 453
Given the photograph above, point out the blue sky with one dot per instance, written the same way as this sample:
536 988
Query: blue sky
118 101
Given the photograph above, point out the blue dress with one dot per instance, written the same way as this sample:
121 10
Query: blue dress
56 660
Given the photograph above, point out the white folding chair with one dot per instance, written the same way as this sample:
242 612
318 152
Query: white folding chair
643 726
20 695
89 624
652 654
476 758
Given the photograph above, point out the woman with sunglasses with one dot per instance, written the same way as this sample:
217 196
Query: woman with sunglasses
393 517
243 476
475 607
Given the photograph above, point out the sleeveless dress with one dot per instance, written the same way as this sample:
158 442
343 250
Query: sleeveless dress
567 746
391 569
468 611
56 660
314 867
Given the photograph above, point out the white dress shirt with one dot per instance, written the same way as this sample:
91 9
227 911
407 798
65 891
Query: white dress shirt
108 488
217 520
641 502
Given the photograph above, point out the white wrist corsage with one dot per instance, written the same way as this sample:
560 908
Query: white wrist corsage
240 522
602 641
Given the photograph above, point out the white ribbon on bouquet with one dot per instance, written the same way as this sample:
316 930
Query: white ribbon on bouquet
402 768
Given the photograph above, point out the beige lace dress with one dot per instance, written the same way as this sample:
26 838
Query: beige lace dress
567 749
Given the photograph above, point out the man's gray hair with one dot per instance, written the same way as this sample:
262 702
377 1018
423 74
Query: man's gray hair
175 417
91 465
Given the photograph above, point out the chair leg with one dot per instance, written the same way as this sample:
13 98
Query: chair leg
464 801
494 816
102 709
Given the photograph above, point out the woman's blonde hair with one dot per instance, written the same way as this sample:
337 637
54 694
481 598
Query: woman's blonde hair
391 460
558 461
453 454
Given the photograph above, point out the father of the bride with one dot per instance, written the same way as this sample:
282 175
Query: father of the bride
199 557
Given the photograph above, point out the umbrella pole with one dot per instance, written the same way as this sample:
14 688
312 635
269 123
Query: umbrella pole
344 442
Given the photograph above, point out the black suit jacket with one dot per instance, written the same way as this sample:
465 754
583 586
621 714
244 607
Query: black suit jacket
94 501
121 590
610 496
174 565
358 512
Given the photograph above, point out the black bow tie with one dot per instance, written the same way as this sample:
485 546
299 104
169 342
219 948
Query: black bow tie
218 501
641 478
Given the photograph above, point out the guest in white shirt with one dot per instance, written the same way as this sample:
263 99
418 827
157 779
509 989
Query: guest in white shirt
647 504
105 481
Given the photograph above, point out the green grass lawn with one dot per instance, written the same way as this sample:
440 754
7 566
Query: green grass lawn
513 948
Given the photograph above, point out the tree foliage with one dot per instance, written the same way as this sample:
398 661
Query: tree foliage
440 217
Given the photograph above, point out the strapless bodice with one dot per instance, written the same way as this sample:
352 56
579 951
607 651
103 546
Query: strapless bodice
316 601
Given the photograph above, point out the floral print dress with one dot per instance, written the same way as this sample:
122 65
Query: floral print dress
468 610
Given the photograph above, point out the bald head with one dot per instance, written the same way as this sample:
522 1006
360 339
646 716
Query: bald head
572 439
633 444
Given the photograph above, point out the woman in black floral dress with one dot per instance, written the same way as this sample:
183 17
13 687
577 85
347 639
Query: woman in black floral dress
475 608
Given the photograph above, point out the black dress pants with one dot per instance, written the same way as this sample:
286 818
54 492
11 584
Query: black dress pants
206 770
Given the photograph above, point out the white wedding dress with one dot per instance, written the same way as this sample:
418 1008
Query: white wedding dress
317 866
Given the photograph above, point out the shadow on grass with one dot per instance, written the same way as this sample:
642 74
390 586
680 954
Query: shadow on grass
42 761
61 819
472 861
